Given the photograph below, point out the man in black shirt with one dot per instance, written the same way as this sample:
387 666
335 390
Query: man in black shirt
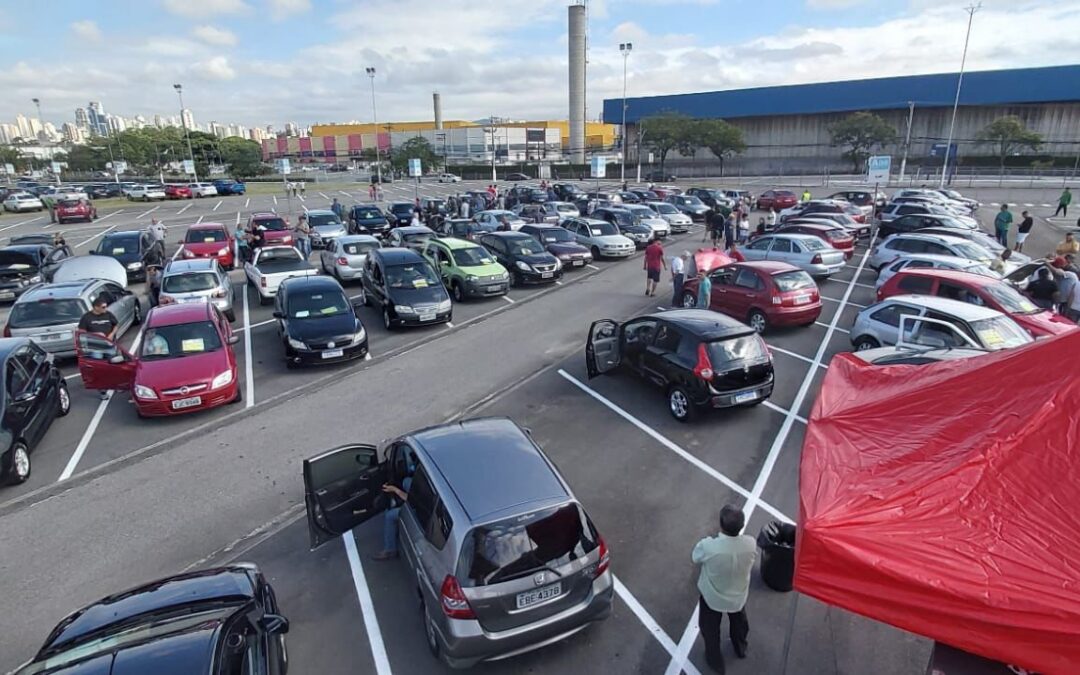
101 321
1043 289
1023 231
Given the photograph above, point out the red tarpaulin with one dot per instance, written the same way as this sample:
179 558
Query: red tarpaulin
945 499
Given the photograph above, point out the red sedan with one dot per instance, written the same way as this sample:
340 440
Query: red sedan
184 363
837 237
764 294
272 228
977 290
177 192
75 209
776 199
210 240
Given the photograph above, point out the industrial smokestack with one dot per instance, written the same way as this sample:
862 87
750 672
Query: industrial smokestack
437 100
577 26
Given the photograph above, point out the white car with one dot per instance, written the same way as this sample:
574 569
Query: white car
146 193
932 261
648 217
19 202
271 266
449 178
679 221
202 190
897 245
565 210
63 193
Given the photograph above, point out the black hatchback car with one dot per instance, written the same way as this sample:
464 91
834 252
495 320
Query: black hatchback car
401 213
34 394
217 621
317 323
368 219
700 358
560 243
404 288
524 257
128 248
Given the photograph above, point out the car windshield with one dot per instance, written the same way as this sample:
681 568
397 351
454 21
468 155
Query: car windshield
401 208
743 348
602 229
565 208
1000 332
322 219
118 245
46 313
690 201
367 214
189 282
207 236
983 270
474 256
525 246
971 251
640 211
68 203
275 224
555 235
359 247
663 209
411 275
182 339
416 237
1011 300
793 281
317 305
624 218
520 546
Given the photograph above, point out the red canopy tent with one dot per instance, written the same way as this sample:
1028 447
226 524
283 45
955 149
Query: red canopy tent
945 499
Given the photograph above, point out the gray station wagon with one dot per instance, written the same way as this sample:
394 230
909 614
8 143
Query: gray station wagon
50 313
505 560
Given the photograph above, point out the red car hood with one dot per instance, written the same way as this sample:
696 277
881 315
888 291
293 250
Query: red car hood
1044 323
185 370
277 235
205 248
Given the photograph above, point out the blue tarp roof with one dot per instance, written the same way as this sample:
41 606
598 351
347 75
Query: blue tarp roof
992 87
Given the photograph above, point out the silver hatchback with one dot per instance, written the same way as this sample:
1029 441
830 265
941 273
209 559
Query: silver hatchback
343 258
198 280
50 313
805 251
505 560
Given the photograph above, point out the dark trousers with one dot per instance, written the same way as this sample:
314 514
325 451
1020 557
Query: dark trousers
709 621
1003 237
1063 209
676 290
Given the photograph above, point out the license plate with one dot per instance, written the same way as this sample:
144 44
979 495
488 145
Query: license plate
52 336
745 396
529 598
802 299
191 402
579 263
6 295
546 275
427 317
333 353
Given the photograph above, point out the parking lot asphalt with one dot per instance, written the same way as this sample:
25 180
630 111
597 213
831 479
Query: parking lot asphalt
148 498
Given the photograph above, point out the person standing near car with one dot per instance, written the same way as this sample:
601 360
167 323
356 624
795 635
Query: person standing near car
806 196
678 271
704 290
1063 203
157 231
1070 245
303 235
153 283
654 265
723 585
337 208
1023 231
100 321
1002 221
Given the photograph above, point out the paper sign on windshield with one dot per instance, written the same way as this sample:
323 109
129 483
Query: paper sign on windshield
118 251
596 232
302 314
419 283
991 337
209 240
329 310
192 345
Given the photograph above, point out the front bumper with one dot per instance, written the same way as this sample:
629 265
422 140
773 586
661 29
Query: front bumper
538 277
572 263
617 252
162 407
414 319
10 293
484 289
314 357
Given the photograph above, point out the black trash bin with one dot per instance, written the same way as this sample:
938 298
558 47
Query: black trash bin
777 543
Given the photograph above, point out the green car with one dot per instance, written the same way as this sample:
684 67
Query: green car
467 269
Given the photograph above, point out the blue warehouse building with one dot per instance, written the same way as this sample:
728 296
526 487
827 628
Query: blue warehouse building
787 126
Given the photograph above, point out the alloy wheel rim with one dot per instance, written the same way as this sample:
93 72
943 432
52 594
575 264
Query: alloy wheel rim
757 322
22 462
689 301
65 399
678 403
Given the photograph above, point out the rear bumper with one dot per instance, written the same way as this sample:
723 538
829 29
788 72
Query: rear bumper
465 643
11 293
823 270
795 316
746 396
163 408
346 272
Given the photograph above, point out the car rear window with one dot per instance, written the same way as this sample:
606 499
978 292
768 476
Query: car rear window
519 546
69 203
814 244
359 247
1000 332
793 281
46 313
742 348
277 224
190 282
204 236
837 235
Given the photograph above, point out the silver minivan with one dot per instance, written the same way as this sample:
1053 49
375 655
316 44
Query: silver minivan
504 560
197 280
50 313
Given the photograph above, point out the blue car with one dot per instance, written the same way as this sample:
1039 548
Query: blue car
230 187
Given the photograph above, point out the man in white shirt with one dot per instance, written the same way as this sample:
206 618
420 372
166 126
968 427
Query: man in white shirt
678 276
726 562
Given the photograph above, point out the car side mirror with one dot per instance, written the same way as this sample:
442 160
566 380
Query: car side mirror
116 358
274 624
278 315
233 339
26 397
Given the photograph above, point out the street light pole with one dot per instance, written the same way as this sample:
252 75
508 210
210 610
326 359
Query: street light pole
41 122
191 153
971 9
375 121
624 48
907 138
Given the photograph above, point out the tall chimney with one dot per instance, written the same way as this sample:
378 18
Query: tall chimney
437 100
577 19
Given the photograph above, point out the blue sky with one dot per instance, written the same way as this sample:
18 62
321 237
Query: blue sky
272 61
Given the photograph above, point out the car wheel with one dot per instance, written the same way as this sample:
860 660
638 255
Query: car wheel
515 281
758 321
230 314
689 301
136 316
866 342
595 252
238 398
63 400
429 631
455 288
20 464
679 404
386 319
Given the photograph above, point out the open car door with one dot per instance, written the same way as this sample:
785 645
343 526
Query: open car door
103 364
342 488
602 350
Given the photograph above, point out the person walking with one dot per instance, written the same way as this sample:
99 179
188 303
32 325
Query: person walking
710 224
337 208
157 231
729 230
1023 231
371 191
760 227
772 218
678 271
1070 245
704 290
303 188
243 246
1063 203
303 236
464 208
1002 221
806 196
100 321
416 222
744 228
723 585
654 264
153 283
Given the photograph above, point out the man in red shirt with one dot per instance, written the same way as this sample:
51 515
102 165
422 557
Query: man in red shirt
654 263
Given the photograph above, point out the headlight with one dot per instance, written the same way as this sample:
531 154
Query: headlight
287 240
444 306
188 254
359 335
297 344
144 392
522 266
471 277
563 256
135 266
36 279
224 250
403 309
221 380
504 276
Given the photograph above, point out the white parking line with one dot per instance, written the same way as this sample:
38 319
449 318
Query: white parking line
25 222
784 411
1029 205
774 348
146 213
218 205
367 607
842 330
508 299
188 206
853 304
558 283
345 193
179 249
256 325
275 199
367 357
301 198
87 241
449 324
324 195
249 377
237 217
199 220
592 267
650 623
247 202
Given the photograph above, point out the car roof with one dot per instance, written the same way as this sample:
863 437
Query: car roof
770 267
943 354
354 238
398 255
414 229
961 310
951 275
705 324
320 212
508 235
940 257
23 248
454 243
62 290
206 226
794 236
123 233
946 238
260 216
516 476
818 227
312 282
193 265
169 315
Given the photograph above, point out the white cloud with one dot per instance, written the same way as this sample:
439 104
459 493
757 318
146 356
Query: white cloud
216 68
281 9
199 9
86 30
212 35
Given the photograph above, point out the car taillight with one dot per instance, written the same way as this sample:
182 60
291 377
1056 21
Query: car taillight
454 604
777 300
342 261
605 559
816 260
703 369
188 254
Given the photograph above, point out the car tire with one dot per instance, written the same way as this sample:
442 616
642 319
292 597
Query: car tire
63 400
20 464
515 281
865 342
386 319
679 404
429 631
238 398
689 301
457 292
595 252
230 314
136 317
758 321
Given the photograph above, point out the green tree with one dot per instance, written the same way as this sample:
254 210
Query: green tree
243 157
860 133
664 132
415 148
12 155
722 139
1008 135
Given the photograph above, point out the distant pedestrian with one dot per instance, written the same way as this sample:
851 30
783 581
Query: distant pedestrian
415 219
303 187
760 226
1070 245
704 290
678 272
153 283
654 264
100 321
337 208
464 208
371 191
744 228
50 202
1023 231
625 186
1002 221
772 218
157 233
243 246
806 196
998 263
500 202
303 236
729 230
1063 203
724 583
